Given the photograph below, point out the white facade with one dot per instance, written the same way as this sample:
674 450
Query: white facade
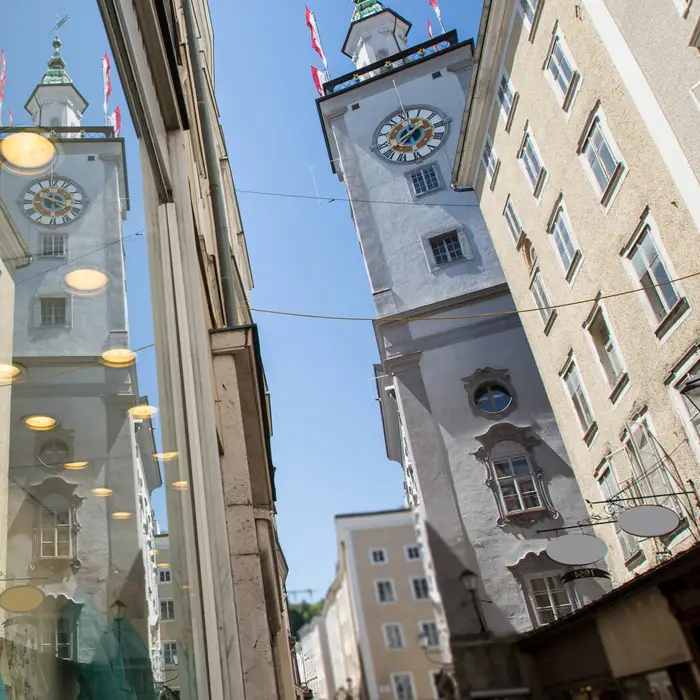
313 658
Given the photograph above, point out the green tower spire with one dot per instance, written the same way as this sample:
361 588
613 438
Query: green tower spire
366 8
56 74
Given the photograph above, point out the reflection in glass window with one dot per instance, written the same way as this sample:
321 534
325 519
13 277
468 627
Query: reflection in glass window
55 530
53 311
550 597
492 398
516 483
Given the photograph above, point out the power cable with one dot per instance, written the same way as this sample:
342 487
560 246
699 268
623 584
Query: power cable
493 314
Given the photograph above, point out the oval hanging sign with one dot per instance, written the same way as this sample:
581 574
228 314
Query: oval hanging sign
583 573
576 550
648 521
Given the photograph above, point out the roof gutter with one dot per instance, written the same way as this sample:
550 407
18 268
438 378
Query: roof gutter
483 28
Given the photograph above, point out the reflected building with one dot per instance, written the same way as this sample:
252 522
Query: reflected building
80 527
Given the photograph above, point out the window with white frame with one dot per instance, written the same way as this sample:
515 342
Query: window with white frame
413 552
690 412
167 609
529 7
393 636
421 590
516 483
446 248
53 245
531 162
170 653
512 219
650 271
606 348
53 311
164 575
601 158
610 487
550 598
430 633
385 591
564 241
57 636
425 180
542 300
489 159
506 96
577 394
55 529
378 555
402 685
561 71
682 6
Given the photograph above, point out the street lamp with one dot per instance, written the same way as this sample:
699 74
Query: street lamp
470 580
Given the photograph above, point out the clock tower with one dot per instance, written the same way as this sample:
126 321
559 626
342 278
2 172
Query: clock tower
463 408
80 524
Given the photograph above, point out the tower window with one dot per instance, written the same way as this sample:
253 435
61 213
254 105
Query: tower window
53 311
425 180
53 245
446 248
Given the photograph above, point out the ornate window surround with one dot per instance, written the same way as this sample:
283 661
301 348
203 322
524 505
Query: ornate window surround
506 432
484 376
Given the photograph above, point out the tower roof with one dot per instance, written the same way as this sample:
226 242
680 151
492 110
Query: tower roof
365 8
56 74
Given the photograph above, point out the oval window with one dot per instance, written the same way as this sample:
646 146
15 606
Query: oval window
492 398
54 453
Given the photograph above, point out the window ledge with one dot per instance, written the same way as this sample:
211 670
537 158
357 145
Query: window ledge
590 435
550 322
511 115
672 317
620 386
571 272
613 186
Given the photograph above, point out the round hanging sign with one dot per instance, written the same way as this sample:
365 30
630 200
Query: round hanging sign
576 550
21 599
648 521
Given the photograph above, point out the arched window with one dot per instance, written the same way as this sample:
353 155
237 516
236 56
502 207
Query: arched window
55 528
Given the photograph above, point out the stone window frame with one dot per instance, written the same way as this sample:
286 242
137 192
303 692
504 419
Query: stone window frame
489 375
566 101
38 495
525 437
55 295
419 195
45 236
460 231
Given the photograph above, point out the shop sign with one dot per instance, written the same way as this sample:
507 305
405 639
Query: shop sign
584 573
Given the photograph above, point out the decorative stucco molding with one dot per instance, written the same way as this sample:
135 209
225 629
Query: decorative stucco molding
488 375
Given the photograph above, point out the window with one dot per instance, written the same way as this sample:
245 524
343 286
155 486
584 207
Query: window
421 591
550 599
170 653
512 219
402 684
649 269
53 311
492 398
378 556
506 96
564 241
385 591
606 348
425 180
412 552
164 575
446 248
393 636
601 159
54 453
55 535
577 394
682 6
561 72
531 163
529 7
57 636
542 301
489 159
53 245
516 483
167 609
609 487
429 632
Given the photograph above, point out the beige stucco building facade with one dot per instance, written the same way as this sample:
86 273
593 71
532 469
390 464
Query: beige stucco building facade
572 159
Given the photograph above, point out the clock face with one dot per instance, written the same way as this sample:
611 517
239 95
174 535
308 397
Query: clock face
53 201
411 134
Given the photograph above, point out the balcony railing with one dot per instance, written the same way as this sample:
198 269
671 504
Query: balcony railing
398 60
62 132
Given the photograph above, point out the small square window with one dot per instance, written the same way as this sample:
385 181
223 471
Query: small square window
53 311
413 552
513 220
53 245
446 248
424 180
421 590
378 556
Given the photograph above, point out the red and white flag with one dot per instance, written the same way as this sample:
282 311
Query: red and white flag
315 36
436 7
12 119
319 78
115 120
430 30
106 81
3 79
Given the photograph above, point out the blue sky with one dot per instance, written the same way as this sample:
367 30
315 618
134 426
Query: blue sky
328 444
